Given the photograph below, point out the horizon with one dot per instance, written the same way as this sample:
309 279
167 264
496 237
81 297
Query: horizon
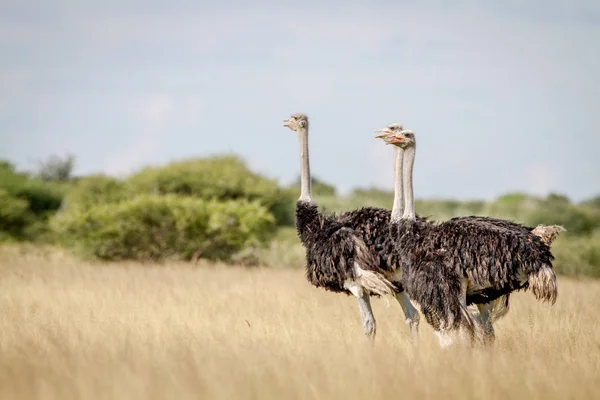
296 182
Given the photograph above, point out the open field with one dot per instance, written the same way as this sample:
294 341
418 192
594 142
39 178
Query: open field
74 330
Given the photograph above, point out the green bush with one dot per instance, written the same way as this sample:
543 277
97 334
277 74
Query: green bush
592 209
440 210
154 227
372 196
219 177
318 187
575 221
28 202
557 209
513 206
56 168
14 215
94 190
6 166
42 197
577 256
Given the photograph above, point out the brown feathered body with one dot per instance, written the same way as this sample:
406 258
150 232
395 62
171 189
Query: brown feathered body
429 260
429 276
373 226
334 243
333 252
494 259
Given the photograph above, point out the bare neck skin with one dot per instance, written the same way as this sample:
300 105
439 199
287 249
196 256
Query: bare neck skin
398 207
409 198
305 187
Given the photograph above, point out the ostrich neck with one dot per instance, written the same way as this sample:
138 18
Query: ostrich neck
409 198
398 207
305 187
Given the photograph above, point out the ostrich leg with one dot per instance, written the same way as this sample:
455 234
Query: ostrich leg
473 332
411 314
366 313
486 322
364 306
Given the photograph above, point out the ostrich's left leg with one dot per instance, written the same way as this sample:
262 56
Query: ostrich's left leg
364 306
366 313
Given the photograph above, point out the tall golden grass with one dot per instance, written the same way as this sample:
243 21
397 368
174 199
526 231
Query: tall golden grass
69 329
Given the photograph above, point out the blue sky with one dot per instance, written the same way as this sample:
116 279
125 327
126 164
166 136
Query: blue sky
501 97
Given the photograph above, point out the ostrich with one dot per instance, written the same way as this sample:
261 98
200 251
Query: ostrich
491 308
350 253
491 260
337 258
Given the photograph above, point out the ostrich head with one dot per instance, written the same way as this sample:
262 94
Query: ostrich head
396 134
390 129
296 122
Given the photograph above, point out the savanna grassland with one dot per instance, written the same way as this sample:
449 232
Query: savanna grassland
72 329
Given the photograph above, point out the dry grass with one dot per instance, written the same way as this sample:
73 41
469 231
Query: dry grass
76 330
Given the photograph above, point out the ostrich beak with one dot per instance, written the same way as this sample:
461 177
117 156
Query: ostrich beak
394 139
287 122
386 131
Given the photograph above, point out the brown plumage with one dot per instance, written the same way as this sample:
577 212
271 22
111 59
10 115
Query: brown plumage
337 258
332 250
351 253
336 255
491 257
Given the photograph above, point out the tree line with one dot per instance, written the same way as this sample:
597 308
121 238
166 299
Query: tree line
216 207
